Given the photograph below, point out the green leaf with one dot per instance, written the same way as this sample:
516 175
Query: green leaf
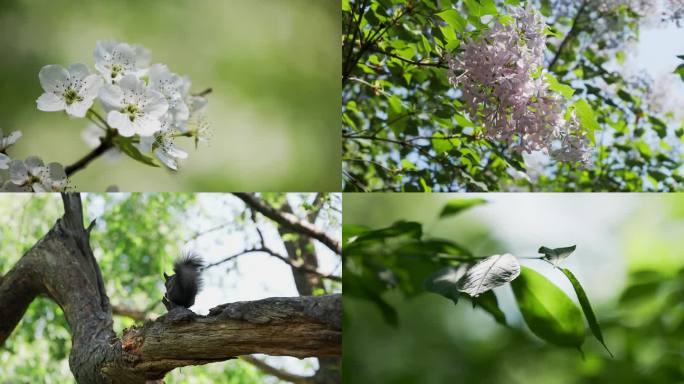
556 255
400 228
423 184
680 70
455 21
126 146
586 117
489 303
547 310
426 44
586 308
445 282
456 206
407 165
435 247
565 90
352 230
441 143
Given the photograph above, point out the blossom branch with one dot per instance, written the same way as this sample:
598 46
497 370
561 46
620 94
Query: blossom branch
106 144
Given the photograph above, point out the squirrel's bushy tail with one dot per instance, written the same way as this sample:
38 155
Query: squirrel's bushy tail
182 287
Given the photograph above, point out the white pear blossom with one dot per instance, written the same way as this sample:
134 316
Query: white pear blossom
133 107
7 141
72 90
199 129
33 176
116 60
164 148
149 104
174 88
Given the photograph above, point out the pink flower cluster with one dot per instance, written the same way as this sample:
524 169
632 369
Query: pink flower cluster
503 87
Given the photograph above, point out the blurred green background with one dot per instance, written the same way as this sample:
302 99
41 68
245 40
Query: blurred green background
273 65
629 259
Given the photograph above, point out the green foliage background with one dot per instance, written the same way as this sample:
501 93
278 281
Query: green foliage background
397 333
274 107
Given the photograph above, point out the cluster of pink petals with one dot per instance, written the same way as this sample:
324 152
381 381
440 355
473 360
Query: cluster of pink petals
500 78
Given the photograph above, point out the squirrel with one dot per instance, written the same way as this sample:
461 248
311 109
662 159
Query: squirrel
183 285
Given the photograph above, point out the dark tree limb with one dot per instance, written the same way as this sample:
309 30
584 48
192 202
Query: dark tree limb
291 221
291 263
279 373
61 266
574 30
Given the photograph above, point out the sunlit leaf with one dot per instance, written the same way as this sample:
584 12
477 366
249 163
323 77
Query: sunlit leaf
547 310
586 308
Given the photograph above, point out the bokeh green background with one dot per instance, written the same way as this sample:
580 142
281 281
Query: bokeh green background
629 259
273 66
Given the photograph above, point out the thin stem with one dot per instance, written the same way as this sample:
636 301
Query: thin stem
106 143
204 93
417 63
92 112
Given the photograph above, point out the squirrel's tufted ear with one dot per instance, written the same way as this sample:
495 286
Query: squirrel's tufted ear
166 277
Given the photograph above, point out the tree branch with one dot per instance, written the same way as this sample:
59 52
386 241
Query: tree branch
570 35
258 363
291 221
106 144
279 373
278 256
288 326
412 62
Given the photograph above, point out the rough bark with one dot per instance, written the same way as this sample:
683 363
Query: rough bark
62 267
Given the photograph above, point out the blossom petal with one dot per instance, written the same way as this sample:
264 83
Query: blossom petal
103 50
9 186
131 82
142 56
78 70
79 109
167 160
122 123
91 86
111 96
145 144
49 102
4 161
176 152
147 126
18 172
53 78
156 105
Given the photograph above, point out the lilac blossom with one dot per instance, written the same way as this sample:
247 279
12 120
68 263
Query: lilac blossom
503 87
